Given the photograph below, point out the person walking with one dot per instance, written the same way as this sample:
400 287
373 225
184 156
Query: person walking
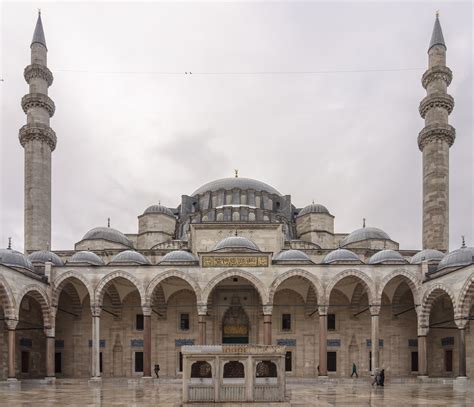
382 377
354 370
376 377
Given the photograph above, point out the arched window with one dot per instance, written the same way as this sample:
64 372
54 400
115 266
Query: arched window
266 368
201 369
233 370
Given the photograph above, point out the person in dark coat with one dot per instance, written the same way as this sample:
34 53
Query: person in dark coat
382 377
354 370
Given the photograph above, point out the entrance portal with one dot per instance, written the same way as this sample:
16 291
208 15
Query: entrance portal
235 324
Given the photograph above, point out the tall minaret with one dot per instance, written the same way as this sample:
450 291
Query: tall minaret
434 142
39 141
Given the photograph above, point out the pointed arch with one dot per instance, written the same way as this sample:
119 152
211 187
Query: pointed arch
39 294
412 281
170 274
465 299
64 279
7 299
362 277
431 294
117 274
251 278
314 283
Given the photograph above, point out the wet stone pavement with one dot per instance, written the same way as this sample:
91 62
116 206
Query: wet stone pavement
168 394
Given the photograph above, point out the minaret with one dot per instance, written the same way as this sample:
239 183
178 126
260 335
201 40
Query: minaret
39 141
434 142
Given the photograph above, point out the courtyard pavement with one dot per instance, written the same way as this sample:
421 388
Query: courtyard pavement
168 394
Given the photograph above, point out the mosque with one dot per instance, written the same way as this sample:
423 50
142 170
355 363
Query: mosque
236 262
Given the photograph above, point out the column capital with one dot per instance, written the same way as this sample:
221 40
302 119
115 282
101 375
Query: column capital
461 323
423 330
374 309
146 309
323 310
95 310
202 309
268 309
11 324
50 332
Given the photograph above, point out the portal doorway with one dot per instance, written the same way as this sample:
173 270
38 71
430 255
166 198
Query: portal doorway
235 324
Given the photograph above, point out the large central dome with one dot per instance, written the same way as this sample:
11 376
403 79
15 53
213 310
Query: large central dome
235 183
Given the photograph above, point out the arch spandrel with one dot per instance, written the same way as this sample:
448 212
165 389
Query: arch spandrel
314 281
465 299
429 296
363 277
7 299
114 275
172 274
251 278
40 295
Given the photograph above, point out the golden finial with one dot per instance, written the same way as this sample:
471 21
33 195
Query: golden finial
363 222
9 243
159 202
39 11
236 173
437 13
463 245
108 222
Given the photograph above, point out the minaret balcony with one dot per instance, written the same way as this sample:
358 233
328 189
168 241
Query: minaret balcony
438 99
436 132
435 73
41 100
37 131
38 71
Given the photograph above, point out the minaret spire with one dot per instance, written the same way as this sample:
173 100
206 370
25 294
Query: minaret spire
434 141
39 141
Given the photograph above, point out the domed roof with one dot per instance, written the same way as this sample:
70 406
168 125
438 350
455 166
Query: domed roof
178 256
313 208
130 256
158 209
42 256
458 258
86 257
292 255
387 256
362 234
235 183
13 258
427 254
341 255
109 234
236 242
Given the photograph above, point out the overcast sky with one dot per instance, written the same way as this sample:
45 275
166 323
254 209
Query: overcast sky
133 129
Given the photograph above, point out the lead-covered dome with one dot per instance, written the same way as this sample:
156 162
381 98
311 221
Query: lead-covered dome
109 234
13 258
86 257
292 256
387 257
158 209
366 233
428 255
313 208
42 256
178 256
341 256
129 256
235 183
236 242
458 258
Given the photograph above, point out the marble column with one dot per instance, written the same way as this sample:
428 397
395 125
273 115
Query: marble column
202 315
267 324
95 353
422 352
146 342
323 340
11 326
50 348
462 352
374 312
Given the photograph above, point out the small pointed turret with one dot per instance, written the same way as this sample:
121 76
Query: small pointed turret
38 36
437 36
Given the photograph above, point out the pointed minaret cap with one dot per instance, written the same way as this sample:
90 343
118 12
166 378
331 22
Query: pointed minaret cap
437 36
38 36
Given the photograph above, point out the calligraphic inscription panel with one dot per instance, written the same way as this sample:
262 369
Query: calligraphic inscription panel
236 261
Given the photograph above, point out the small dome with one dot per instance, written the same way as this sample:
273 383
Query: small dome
292 255
178 256
86 257
427 254
236 242
458 258
362 234
313 208
235 183
130 256
387 257
158 209
341 256
13 258
43 256
109 234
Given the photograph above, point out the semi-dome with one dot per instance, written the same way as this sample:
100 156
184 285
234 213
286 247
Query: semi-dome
178 256
313 208
366 233
427 254
387 257
458 258
109 234
130 256
236 242
341 256
42 256
235 183
86 257
158 209
13 258
292 255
